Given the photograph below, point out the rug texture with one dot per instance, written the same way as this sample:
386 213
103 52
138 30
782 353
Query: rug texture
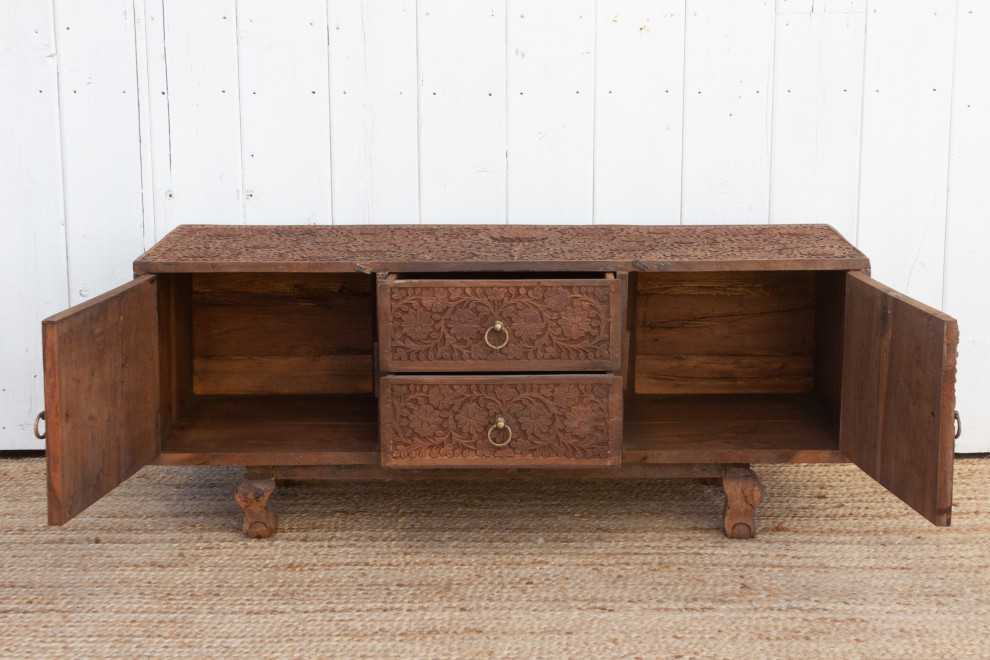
625 569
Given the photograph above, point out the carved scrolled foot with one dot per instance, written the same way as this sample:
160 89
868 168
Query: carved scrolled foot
259 516
743 492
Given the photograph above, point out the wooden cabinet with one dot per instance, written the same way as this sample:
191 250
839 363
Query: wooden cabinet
406 352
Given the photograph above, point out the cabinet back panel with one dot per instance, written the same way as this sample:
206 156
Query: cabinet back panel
744 332
282 333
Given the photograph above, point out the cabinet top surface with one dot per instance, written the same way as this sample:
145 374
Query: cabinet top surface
444 248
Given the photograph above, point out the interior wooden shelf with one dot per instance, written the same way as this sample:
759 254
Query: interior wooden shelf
340 429
728 428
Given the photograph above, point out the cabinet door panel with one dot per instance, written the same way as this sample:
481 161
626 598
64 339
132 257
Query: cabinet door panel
101 395
898 394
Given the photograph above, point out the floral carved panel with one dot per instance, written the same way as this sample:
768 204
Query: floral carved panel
545 422
442 325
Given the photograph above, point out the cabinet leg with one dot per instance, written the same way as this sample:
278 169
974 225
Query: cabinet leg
259 516
743 492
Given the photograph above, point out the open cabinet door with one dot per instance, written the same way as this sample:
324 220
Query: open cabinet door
101 395
898 394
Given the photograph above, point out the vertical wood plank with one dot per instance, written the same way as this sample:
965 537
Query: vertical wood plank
101 143
200 179
550 110
32 247
638 104
728 78
285 116
844 6
898 377
373 128
154 104
101 390
820 7
906 105
817 98
462 160
967 268
144 123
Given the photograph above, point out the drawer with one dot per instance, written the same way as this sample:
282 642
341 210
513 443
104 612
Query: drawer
446 325
546 420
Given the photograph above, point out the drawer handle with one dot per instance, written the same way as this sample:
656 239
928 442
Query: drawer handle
498 327
499 424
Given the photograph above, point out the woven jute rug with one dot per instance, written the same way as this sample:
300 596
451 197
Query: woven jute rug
637 569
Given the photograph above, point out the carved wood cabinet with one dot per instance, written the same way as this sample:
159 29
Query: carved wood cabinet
392 352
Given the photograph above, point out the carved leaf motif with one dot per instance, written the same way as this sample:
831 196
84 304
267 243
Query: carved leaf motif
417 323
580 420
442 397
535 419
574 321
471 419
424 420
430 421
526 323
436 300
557 322
556 299
464 324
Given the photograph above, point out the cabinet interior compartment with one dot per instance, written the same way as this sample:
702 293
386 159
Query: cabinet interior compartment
279 368
268 368
740 366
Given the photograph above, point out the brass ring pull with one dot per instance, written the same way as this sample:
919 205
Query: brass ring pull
499 424
498 327
40 418
955 416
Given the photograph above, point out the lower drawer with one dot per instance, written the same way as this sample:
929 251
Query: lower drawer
501 421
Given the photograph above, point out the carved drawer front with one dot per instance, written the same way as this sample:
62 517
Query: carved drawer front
501 421
500 325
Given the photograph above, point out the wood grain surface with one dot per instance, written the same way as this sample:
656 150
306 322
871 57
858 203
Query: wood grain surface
282 333
101 395
898 394
728 428
274 430
725 332
438 248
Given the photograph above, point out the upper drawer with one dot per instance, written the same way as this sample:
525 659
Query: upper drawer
445 325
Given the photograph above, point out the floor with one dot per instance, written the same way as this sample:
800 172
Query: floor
632 569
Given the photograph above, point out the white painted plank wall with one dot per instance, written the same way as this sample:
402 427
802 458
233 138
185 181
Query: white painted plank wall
374 134
639 98
817 102
872 115
144 122
285 111
967 235
33 277
728 86
907 90
195 118
101 143
462 111
550 113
